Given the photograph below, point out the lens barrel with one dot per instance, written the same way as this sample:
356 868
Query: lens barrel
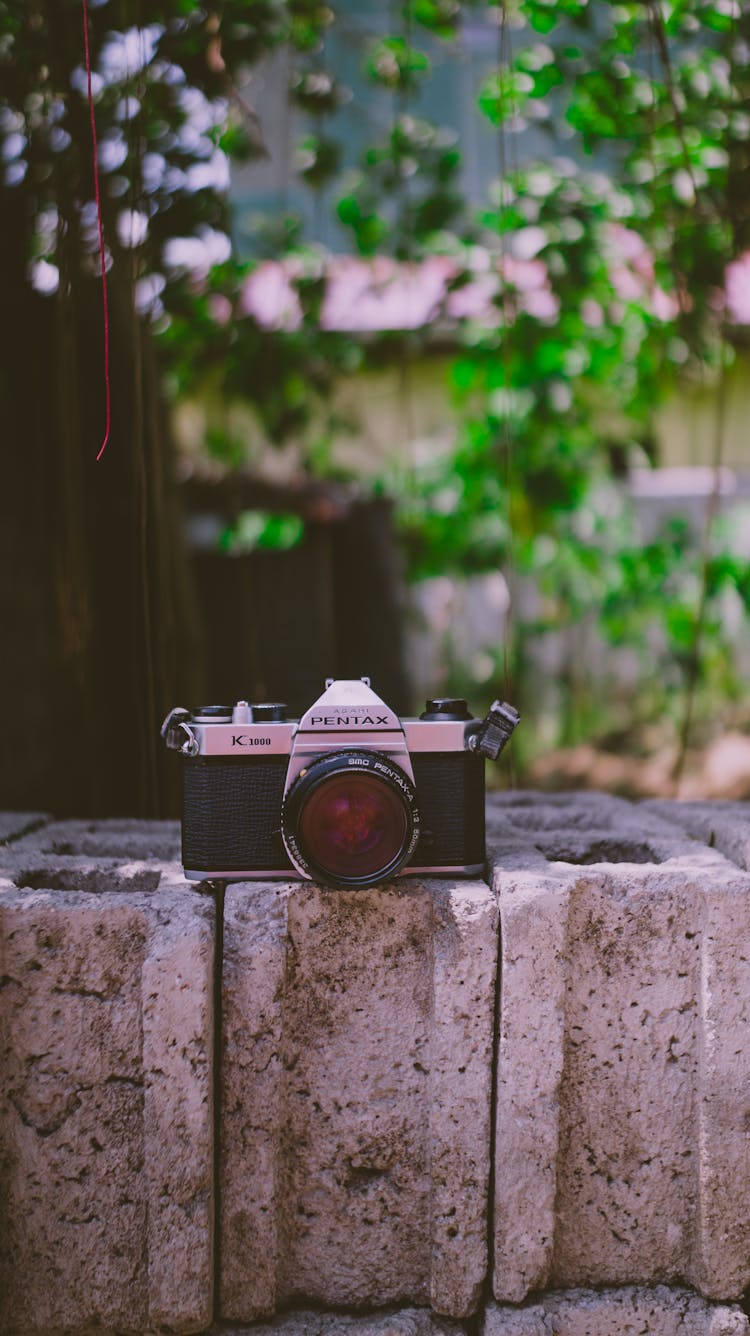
350 819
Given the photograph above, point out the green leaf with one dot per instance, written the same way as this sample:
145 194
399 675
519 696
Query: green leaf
501 94
395 63
258 530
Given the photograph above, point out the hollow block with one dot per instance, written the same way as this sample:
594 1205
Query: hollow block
622 1152
356 1086
106 1123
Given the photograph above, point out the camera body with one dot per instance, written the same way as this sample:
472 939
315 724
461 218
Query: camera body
349 795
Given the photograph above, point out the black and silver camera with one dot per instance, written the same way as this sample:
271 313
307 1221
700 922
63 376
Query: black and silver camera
349 795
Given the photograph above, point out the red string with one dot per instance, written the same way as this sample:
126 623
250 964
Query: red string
105 304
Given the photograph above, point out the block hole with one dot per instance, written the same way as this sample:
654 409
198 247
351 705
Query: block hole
606 850
96 880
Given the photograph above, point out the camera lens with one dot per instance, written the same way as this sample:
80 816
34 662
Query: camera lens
350 819
353 825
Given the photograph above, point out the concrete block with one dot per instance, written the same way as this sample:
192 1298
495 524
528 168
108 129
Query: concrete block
403 1322
356 1095
722 825
631 1311
582 828
122 839
622 1152
15 824
106 1127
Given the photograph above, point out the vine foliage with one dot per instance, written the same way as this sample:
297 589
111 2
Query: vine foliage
594 277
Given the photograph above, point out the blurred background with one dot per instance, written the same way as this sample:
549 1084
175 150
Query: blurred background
429 361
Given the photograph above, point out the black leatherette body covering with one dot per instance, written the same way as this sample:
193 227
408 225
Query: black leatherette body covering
232 812
450 791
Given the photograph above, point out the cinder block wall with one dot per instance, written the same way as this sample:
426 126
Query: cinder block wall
622 1147
521 1103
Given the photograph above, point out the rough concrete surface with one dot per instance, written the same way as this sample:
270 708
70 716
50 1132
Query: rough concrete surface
631 1311
582 828
106 1132
403 1322
622 1152
15 824
356 1095
118 838
723 825
357 1079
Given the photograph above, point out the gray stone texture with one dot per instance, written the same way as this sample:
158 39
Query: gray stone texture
356 1095
582 828
121 839
106 1128
722 825
402 1322
622 1152
15 824
357 1076
631 1311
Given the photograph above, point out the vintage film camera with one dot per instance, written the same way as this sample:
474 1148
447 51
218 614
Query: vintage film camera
349 795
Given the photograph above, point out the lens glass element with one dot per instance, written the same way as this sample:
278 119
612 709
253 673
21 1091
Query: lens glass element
353 825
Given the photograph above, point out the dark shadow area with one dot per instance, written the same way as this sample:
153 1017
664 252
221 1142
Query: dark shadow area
601 851
276 624
97 880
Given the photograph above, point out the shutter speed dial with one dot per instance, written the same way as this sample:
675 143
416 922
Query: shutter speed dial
446 707
269 713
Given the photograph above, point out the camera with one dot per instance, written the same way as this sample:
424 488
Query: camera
349 795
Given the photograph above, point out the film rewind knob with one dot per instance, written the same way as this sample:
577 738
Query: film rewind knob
495 730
